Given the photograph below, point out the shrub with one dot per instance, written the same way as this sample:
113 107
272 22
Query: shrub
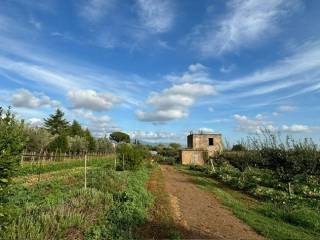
238 147
12 142
132 155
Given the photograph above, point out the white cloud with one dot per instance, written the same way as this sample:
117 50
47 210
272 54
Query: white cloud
35 122
296 128
151 136
205 130
245 24
95 10
196 73
173 103
286 108
91 100
99 125
25 98
253 125
156 15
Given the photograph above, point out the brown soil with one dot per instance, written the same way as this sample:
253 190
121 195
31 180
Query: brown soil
199 214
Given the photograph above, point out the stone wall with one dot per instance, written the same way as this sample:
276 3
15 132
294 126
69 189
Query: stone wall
189 156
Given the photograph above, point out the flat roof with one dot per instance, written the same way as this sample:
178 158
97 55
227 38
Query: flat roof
204 134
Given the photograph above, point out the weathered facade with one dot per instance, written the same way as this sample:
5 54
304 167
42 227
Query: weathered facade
200 147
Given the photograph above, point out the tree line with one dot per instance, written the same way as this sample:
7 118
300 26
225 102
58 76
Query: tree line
59 135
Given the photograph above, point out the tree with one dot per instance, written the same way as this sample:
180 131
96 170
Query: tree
38 139
76 129
12 142
104 145
56 123
120 137
77 144
90 139
132 155
60 144
238 147
175 146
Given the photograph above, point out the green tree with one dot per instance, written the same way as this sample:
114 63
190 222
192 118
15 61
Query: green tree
38 139
120 137
60 144
104 145
12 142
132 155
175 146
77 144
56 123
76 129
90 139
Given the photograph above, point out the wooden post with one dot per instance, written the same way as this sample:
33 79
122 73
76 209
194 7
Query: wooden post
115 162
123 162
85 171
212 170
22 155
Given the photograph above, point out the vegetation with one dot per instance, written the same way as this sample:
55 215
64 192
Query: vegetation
168 154
282 175
120 137
274 221
12 142
131 156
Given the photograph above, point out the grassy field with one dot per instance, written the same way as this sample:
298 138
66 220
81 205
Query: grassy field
49 201
270 220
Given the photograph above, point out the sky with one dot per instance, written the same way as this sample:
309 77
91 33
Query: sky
158 69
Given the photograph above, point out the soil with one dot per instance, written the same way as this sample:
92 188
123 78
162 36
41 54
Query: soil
198 214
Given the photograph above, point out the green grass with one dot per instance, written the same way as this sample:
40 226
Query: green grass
44 167
58 207
265 217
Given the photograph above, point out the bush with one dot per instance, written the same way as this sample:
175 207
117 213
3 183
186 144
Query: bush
132 155
12 142
238 147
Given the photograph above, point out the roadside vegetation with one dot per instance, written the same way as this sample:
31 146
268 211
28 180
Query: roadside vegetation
102 198
283 178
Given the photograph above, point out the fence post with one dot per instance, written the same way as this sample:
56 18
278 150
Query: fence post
123 161
22 155
85 171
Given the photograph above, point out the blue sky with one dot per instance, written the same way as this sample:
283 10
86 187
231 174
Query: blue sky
159 69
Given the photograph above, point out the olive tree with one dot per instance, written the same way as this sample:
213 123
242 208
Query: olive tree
77 144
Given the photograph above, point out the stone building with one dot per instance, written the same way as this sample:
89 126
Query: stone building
200 147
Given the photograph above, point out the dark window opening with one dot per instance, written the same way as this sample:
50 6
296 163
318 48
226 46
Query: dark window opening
210 141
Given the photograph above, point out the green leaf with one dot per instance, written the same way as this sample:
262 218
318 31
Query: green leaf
4 180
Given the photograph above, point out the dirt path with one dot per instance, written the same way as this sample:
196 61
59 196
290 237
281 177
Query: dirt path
198 213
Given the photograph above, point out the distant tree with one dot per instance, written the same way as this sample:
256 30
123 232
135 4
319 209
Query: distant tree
38 139
59 144
56 123
12 142
104 145
120 137
77 144
90 139
76 129
175 146
238 147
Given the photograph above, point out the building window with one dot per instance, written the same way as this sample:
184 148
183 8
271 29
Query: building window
210 141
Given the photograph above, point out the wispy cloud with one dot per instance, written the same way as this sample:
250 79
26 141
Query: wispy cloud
245 24
95 10
156 15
